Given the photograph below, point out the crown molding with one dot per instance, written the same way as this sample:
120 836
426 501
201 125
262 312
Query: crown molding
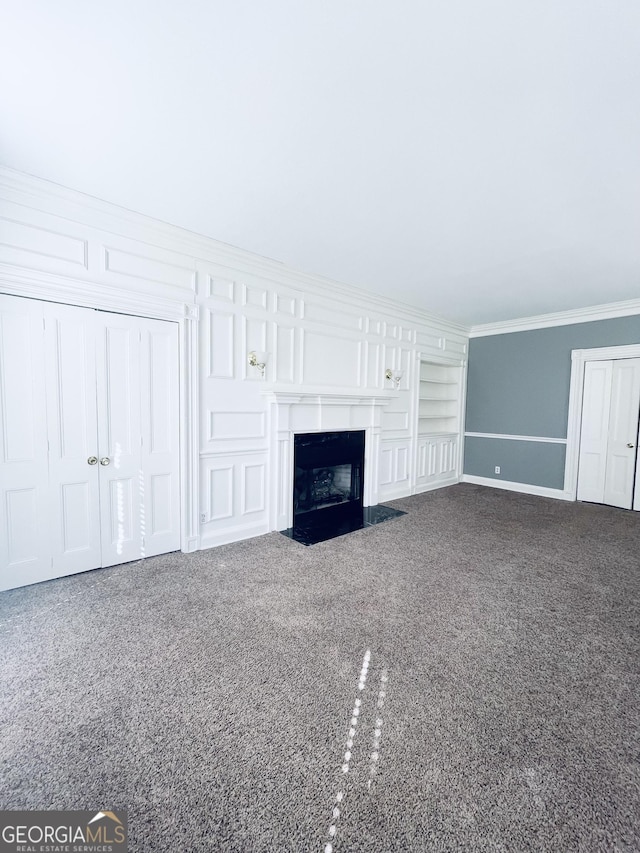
561 318
42 194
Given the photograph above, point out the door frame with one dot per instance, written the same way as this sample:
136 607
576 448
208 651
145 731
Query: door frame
579 357
105 297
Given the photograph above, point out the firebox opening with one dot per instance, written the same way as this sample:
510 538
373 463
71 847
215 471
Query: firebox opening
328 487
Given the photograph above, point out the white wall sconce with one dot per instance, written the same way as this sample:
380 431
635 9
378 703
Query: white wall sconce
259 360
393 376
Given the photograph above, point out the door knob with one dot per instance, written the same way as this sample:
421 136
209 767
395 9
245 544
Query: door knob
105 460
629 444
92 460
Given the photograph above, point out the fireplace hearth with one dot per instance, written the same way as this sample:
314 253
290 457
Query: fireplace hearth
328 487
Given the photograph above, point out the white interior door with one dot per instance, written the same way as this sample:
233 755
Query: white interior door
594 429
623 432
609 430
89 439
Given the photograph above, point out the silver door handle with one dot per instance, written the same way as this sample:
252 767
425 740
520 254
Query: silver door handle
92 460
105 460
629 445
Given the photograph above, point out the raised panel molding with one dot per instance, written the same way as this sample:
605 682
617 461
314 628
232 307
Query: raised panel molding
332 316
21 509
21 239
220 288
231 426
220 492
160 504
422 461
432 450
253 488
255 297
395 421
458 348
142 267
392 331
254 335
374 327
18 340
429 341
285 353
285 305
401 464
437 461
160 355
221 344
395 469
375 368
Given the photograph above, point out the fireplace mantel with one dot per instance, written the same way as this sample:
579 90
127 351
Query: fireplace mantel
326 409
287 396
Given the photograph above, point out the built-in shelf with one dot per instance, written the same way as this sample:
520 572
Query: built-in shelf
439 394
438 398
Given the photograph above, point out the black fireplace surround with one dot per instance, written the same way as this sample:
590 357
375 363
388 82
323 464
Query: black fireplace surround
328 487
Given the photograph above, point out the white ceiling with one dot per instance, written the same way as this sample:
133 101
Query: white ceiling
480 160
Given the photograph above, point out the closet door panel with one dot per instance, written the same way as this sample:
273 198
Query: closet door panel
594 429
73 445
24 511
160 436
119 438
623 432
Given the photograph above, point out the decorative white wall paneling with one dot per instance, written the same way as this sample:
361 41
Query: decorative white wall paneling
327 344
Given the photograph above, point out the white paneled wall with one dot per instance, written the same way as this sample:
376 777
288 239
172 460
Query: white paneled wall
325 340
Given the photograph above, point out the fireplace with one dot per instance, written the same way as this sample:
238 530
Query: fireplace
328 483
326 446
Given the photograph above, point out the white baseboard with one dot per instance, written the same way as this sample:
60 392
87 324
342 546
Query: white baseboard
523 488
438 484
233 534
393 494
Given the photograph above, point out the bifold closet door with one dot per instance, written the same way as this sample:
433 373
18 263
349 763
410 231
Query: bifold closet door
138 439
89 439
25 528
609 432
72 427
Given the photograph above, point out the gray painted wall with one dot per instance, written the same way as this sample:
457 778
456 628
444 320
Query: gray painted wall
518 384
529 462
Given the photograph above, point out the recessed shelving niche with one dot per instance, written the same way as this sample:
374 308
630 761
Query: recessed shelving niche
439 398
439 394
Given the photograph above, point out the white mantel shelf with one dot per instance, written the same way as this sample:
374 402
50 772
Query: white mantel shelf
326 396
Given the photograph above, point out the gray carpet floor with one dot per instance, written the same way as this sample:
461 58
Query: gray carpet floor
462 678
